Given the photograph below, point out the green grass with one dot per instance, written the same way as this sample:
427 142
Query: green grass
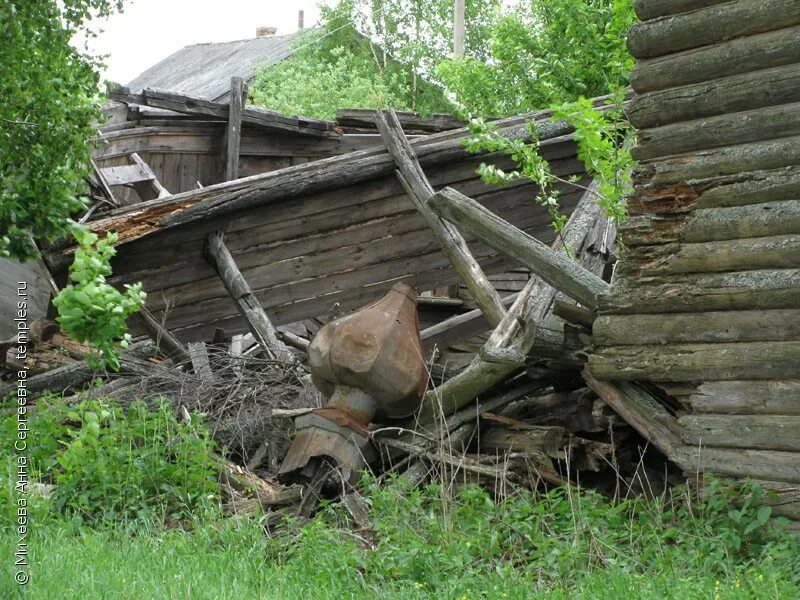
424 546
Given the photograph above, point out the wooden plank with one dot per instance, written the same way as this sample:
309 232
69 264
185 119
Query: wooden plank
246 301
200 363
165 341
697 362
763 123
234 129
759 432
707 327
555 268
781 397
741 55
710 25
452 242
726 95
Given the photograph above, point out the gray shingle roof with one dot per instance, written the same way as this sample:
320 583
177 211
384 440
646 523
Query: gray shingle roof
205 70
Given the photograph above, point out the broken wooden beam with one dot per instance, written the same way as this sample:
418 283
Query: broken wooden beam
247 303
557 269
233 136
452 242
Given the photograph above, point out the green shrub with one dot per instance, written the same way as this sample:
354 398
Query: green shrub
113 464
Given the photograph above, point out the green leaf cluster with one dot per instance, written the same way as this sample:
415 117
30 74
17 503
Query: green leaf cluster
113 464
48 104
89 308
544 52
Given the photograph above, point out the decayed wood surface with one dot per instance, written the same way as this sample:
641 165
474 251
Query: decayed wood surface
769 49
710 25
452 242
705 327
698 362
738 222
780 397
760 432
723 130
555 268
739 92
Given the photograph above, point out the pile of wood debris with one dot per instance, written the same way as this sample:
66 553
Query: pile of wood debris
518 414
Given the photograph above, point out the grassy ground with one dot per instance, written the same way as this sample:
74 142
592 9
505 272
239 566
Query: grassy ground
423 547
123 478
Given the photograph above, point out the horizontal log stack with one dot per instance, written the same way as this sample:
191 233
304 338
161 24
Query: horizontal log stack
706 296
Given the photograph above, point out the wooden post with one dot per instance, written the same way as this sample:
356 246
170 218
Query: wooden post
555 268
234 132
246 301
419 190
459 32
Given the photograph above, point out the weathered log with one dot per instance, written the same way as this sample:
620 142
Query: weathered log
764 123
572 313
726 95
650 9
710 25
748 290
641 410
774 252
233 136
451 241
747 188
761 51
759 432
555 268
708 327
758 464
768 154
455 442
698 362
780 397
739 222
247 303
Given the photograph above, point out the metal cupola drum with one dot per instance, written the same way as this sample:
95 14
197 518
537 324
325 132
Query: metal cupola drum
369 365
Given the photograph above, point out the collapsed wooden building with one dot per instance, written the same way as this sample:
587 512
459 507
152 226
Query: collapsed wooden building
694 343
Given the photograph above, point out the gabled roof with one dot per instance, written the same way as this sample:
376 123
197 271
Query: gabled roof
205 70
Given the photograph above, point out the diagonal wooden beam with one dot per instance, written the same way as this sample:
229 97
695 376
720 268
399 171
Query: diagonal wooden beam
221 259
452 242
555 268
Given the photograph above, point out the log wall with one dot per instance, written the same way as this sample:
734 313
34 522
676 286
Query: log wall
706 294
